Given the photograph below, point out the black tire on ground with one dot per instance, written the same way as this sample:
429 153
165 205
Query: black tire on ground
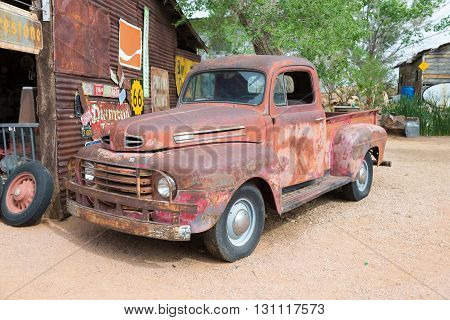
41 200
356 190
217 239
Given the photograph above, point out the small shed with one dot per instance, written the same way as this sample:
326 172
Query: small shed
425 69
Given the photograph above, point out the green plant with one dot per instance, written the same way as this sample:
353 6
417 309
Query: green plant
434 119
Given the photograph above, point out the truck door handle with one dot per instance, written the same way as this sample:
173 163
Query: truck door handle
319 119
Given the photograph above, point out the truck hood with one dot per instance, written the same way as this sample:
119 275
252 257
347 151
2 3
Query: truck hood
186 126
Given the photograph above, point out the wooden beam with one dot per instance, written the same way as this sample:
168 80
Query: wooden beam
46 102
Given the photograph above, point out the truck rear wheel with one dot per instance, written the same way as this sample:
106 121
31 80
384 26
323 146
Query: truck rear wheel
240 227
360 188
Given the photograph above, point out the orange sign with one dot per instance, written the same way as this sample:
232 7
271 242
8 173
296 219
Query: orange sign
130 45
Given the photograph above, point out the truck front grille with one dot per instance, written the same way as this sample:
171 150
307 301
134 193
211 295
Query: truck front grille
116 179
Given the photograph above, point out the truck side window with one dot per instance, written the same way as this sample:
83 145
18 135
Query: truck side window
279 95
299 88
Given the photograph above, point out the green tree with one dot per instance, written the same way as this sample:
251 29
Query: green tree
323 31
351 42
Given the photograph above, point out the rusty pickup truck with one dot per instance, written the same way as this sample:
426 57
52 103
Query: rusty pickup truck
249 134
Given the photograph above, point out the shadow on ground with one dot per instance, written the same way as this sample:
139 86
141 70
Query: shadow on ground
140 251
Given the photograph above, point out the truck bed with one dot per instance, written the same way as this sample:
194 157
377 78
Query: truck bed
335 120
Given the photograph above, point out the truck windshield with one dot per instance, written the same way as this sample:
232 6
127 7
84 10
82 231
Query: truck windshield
242 87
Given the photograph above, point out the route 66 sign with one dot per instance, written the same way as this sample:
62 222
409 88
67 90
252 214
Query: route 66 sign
137 97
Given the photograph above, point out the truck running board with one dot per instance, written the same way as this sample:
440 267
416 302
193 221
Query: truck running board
295 199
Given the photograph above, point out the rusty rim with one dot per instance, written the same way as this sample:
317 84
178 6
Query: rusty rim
20 193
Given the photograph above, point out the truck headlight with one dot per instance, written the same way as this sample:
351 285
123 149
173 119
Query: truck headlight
165 186
89 171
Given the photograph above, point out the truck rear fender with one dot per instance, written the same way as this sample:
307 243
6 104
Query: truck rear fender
350 145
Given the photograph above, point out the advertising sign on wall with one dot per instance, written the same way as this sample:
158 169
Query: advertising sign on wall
137 97
105 114
182 68
130 45
160 90
19 30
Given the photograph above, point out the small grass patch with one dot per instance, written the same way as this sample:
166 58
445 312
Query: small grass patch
434 119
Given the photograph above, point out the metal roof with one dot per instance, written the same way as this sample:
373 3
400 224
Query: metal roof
419 54
188 33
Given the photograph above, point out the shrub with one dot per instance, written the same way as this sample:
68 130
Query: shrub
434 119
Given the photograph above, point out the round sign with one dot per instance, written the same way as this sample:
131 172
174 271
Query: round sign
137 98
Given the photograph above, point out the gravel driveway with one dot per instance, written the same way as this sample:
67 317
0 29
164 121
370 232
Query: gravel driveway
393 245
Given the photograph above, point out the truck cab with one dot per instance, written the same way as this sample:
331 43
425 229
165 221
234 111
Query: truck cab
248 133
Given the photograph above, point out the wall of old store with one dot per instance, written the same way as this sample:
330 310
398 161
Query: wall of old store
87 46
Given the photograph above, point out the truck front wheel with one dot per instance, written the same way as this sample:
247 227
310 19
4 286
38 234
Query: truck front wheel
240 227
360 188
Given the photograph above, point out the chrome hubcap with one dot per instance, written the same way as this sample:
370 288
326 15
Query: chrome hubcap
240 222
363 177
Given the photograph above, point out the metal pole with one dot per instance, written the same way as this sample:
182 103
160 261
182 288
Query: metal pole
32 144
23 144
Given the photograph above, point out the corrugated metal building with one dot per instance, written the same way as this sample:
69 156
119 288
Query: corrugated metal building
426 69
81 44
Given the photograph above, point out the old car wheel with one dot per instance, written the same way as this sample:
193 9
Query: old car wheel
26 194
239 229
360 188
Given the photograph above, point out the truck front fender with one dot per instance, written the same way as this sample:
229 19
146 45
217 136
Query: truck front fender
209 175
350 145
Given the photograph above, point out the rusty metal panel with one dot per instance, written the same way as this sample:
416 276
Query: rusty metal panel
82 33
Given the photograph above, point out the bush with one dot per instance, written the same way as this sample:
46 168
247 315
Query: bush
434 119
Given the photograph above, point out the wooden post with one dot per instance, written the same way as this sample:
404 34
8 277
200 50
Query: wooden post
46 102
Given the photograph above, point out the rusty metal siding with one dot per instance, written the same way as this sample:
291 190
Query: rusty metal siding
188 55
162 46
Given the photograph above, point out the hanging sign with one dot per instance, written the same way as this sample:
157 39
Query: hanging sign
137 98
130 45
160 90
182 68
20 30
105 114
146 53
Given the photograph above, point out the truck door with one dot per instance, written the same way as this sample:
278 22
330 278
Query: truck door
298 131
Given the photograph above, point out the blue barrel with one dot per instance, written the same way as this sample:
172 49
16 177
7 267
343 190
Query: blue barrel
408 91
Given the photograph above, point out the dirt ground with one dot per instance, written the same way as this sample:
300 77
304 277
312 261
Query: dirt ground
393 245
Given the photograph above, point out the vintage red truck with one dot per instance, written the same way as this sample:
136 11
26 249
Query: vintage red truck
249 133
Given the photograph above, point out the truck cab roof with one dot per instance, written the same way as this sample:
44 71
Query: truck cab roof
266 64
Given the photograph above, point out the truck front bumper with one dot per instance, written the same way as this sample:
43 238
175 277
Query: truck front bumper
130 226
122 223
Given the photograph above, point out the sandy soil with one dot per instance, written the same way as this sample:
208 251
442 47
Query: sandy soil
393 245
